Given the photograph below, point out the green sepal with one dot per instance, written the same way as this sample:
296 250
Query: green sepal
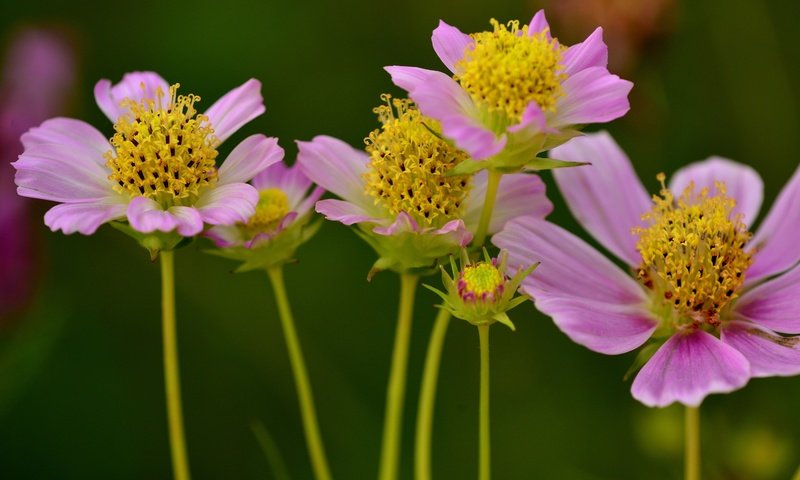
154 242
554 140
406 252
539 163
641 358
502 317
468 167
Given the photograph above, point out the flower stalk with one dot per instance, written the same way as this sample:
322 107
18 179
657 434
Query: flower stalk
488 208
692 433
484 459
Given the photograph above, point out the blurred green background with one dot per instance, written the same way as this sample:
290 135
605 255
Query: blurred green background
81 388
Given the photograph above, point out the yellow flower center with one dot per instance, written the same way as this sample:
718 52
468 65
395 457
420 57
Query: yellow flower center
693 253
164 152
272 206
409 164
507 69
481 281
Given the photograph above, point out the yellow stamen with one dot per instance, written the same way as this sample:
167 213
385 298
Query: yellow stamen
508 68
163 151
272 206
693 253
409 164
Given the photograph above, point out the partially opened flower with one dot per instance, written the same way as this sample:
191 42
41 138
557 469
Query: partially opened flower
280 222
401 194
515 91
708 294
158 171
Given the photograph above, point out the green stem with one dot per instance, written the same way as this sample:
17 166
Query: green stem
180 463
692 432
313 438
488 207
796 474
395 393
427 396
484 466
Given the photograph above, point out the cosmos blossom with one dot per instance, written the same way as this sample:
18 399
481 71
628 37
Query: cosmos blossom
515 91
715 301
158 171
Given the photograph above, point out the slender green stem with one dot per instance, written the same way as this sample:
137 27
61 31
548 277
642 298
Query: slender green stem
310 425
488 208
271 451
484 465
427 396
180 462
392 424
692 432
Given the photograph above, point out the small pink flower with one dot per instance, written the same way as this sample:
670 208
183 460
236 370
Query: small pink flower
158 171
515 91
710 297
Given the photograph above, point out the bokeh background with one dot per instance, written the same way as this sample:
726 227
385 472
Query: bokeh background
81 389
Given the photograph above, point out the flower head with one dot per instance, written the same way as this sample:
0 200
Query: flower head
707 294
481 292
401 192
515 91
158 171
280 223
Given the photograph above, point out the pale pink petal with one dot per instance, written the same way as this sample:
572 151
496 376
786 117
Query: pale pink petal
592 95
776 238
592 52
250 157
344 212
188 220
450 44
533 119
597 325
606 197
335 166
440 97
769 354
147 216
569 266
70 133
774 304
234 109
304 206
519 194
225 236
403 223
742 183
539 24
290 180
83 218
228 204
456 230
134 85
687 368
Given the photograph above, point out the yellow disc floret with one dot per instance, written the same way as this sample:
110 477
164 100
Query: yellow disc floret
509 67
693 253
481 281
409 164
272 206
163 151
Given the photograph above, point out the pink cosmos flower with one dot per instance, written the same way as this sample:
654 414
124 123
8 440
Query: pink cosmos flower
708 294
515 91
158 171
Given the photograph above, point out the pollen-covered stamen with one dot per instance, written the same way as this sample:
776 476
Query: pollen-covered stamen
693 253
409 164
272 207
163 149
509 67
481 281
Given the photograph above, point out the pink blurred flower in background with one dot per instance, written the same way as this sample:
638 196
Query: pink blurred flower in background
38 75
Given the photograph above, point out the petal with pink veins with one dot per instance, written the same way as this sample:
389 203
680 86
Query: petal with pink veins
344 212
450 43
188 220
592 52
774 304
228 204
84 218
769 354
592 95
234 109
249 158
337 167
145 215
136 86
539 24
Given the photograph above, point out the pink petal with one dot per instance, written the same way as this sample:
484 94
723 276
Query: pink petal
592 95
188 221
344 212
335 166
606 197
234 109
109 97
225 236
228 204
290 180
742 183
304 206
769 354
592 52
147 216
687 368
83 218
774 304
539 24
450 44
570 267
776 238
403 223
533 119
519 194
250 157
440 97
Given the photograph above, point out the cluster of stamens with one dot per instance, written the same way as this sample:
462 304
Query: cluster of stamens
693 254
481 281
272 207
163 151
509 67
409 165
